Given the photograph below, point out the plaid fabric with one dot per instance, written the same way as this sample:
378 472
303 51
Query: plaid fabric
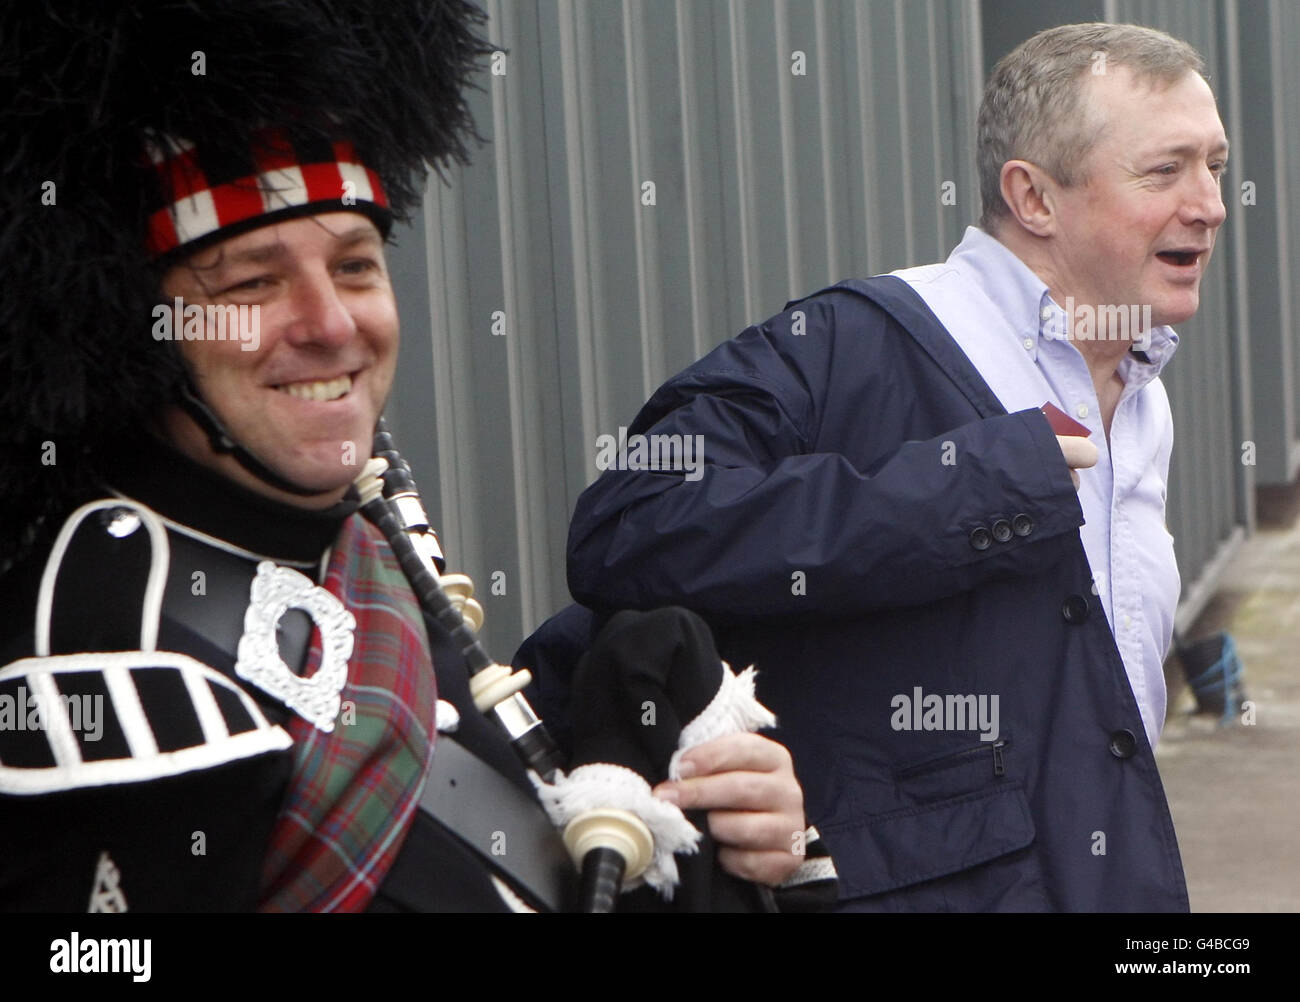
210 199
354 791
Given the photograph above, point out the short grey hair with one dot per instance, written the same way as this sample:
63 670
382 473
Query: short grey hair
1033 107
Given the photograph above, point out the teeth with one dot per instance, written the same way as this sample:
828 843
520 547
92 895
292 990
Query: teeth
331 390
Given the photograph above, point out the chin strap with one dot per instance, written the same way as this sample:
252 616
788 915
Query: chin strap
222 442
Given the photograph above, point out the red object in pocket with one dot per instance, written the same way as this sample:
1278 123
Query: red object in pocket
1063 424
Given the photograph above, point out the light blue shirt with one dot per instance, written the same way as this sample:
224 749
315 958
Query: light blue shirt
1003 317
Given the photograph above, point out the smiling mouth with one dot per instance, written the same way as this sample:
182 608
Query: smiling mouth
322 390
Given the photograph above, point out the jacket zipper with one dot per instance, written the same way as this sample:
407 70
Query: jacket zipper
950 761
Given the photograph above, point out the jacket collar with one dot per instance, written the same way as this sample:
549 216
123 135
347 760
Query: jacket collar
917 320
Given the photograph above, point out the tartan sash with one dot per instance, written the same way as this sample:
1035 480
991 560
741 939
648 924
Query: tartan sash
354 791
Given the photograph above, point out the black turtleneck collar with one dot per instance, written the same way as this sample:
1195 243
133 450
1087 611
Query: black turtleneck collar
183 491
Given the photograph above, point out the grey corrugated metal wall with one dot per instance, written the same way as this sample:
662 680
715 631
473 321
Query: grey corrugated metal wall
1207 513
660 174
1270 91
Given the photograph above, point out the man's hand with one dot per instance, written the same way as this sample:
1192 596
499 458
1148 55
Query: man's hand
1080 454
746 783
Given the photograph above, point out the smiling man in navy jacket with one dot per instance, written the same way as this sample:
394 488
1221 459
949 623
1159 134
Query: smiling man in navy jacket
959 616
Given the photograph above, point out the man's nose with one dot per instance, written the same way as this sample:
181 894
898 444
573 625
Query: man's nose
320 316
1205 204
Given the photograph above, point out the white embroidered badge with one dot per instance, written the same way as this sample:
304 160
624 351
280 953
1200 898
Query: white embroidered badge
106 895
276 590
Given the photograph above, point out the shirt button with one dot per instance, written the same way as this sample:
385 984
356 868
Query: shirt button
1123 744
1045 313
980 538
1029 344
1075 609
1022 525
1002 530
1082 410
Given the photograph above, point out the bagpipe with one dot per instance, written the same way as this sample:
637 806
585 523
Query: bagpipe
612 826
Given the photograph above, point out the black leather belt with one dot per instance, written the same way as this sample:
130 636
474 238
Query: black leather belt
504 824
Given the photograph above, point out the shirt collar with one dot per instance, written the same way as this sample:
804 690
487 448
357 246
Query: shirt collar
1023 299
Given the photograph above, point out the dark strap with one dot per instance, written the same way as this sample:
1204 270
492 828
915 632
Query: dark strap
914 316
222 441
499 821
217 615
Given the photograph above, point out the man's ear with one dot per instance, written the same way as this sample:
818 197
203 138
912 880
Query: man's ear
1028 192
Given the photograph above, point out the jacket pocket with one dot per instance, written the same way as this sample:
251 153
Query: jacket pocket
968 770
914 844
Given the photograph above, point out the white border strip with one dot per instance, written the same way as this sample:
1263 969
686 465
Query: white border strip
71 772
20 781
159 558
130 714
54 720
206 708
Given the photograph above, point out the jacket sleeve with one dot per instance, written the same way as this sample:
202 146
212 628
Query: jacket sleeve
797 510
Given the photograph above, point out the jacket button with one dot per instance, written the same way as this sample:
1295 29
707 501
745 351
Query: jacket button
1022 525
1123 744
980 538
1075 609
1002 530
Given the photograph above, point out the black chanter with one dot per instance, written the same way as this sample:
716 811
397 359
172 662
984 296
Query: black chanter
390 499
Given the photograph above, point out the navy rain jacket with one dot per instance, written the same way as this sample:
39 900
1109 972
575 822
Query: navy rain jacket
870 524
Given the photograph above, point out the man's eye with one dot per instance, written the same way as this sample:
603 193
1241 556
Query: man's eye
248 284
359 266
1167 169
